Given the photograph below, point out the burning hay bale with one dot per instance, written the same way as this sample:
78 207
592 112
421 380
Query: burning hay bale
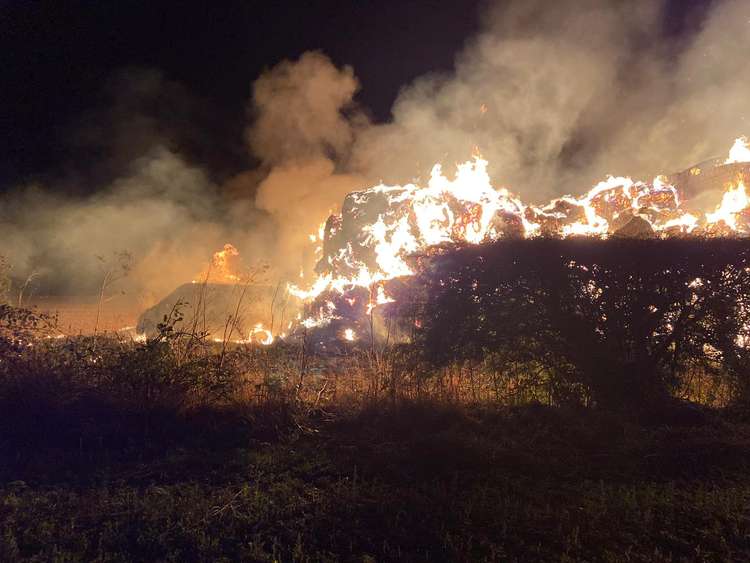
710 176
382 233
636 227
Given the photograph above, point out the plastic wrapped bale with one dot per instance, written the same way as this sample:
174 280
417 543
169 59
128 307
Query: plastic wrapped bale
208 307
635 227
709 176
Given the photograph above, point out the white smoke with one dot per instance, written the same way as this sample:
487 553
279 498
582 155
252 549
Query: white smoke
162 203
554 95
557 95
304 127
298 110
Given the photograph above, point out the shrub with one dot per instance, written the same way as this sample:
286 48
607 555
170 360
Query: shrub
616 322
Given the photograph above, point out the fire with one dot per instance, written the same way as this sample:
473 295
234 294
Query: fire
740 151
415 218
733 202
378 297
468 209
258 335
261 335
222 268
382 230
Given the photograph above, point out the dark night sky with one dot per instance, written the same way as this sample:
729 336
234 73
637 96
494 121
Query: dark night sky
58 56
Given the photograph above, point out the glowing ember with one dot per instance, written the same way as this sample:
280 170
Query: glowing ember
261 335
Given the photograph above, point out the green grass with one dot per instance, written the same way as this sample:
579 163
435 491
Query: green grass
412 482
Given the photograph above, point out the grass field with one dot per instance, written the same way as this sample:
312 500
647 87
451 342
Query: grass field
118 451
180 448
406 482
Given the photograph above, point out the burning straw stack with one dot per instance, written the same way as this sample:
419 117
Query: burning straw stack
384 232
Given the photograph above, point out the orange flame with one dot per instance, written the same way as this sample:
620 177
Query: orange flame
733 202
468 209
222 268
261 335
740 151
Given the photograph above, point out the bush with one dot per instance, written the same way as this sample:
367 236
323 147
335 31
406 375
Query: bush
64 390
617 323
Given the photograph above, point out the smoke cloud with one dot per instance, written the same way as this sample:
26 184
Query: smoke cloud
164 212
299 111
304 127
557 95
554 95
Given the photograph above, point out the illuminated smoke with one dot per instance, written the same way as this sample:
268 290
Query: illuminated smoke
556 96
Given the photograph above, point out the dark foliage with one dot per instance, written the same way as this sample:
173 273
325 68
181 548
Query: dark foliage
413 481
619 323
182 449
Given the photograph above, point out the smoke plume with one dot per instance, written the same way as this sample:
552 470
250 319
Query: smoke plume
554 95
557 95
305 124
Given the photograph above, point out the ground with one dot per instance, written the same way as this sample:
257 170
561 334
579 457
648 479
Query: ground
399 481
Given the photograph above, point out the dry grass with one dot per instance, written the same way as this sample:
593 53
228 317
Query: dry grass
182 449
